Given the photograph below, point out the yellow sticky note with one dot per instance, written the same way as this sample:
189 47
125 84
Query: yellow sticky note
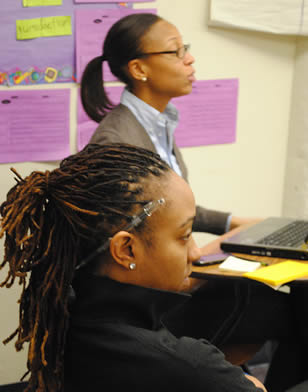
39 3
43 27
280 273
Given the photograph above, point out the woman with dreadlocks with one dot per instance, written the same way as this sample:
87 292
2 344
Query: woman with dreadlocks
148 55
112 225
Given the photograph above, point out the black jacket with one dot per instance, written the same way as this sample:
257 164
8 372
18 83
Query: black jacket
117 341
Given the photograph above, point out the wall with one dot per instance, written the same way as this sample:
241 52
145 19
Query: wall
296 173
246 177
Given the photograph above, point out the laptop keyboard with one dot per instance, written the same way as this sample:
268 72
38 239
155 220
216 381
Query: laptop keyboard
290 235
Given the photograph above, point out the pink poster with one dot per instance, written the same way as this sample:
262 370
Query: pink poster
206 116
34 125
111 1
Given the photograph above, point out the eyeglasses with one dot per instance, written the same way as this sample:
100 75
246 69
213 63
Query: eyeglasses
147 210
180 53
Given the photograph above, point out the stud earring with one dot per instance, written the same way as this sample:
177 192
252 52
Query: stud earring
144 78
132 266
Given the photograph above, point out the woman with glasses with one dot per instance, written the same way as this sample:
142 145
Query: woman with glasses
103 248
147 54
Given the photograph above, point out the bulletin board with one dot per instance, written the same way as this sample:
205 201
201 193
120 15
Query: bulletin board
45 59
52 43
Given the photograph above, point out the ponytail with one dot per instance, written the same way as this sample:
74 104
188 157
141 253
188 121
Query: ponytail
33 244
123 43
51 222
94 98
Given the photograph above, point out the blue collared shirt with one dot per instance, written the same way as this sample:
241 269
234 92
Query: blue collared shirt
159 126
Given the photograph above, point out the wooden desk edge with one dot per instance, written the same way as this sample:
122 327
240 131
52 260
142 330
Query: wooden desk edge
213 271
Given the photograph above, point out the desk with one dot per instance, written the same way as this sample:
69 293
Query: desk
238 353
213 271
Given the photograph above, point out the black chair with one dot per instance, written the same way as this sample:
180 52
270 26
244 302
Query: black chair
15 387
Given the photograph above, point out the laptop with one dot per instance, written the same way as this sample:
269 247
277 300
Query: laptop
273 237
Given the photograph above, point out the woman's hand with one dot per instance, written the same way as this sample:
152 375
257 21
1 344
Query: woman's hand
257 383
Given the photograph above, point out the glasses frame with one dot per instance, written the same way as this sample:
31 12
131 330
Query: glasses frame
136 220
185 49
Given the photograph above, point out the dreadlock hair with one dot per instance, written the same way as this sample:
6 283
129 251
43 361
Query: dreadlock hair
51 221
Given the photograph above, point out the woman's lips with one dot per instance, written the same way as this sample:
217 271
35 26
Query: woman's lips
192 78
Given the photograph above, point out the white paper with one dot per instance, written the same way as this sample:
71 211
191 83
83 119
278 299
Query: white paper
273 16
233 263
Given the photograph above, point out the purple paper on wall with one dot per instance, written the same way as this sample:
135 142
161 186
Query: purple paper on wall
111 1
40 60
208 114
91 29
34 125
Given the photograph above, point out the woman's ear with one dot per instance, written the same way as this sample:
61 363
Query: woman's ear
137 69
123 249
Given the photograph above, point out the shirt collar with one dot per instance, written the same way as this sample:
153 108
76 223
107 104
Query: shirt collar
103 298
145 113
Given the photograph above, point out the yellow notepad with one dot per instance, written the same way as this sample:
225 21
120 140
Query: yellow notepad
280 273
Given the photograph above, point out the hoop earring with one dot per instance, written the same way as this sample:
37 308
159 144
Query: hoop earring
144 78
132 266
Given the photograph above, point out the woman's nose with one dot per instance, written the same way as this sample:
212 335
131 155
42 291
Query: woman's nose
194 252
189 58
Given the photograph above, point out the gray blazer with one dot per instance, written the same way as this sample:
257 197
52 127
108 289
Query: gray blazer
121 126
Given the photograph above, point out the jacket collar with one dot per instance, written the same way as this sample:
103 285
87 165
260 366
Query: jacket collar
100 298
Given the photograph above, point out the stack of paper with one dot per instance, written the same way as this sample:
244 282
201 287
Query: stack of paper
280 273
